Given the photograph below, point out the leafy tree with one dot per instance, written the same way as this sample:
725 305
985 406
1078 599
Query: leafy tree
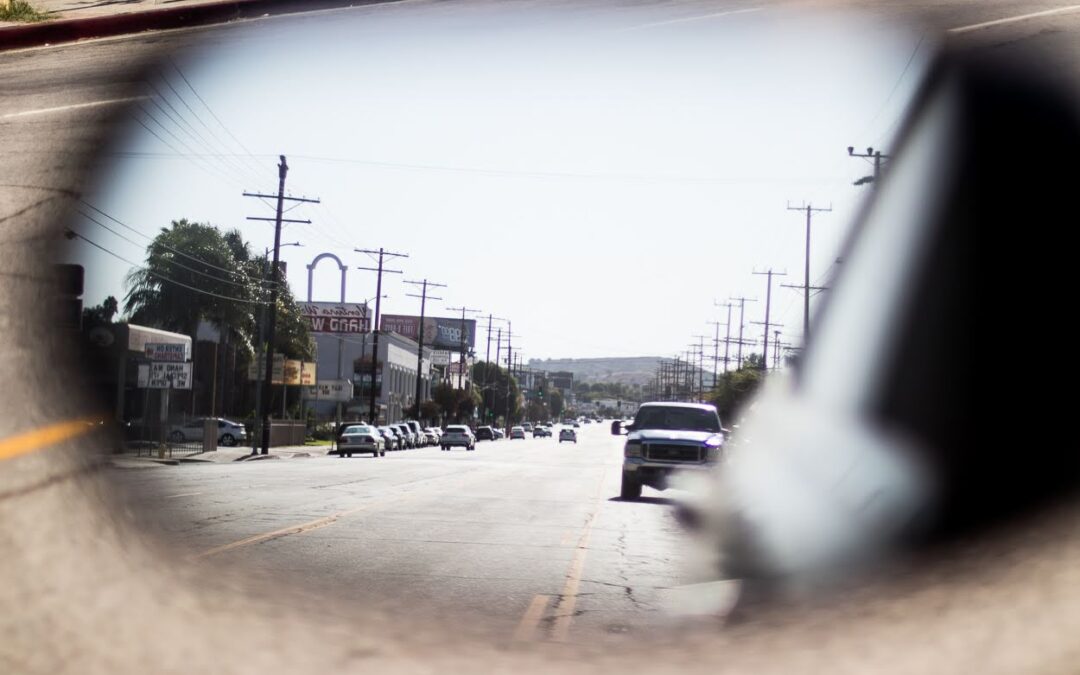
194 272
556 404
430 410
494 380
100 315
456 402
734 389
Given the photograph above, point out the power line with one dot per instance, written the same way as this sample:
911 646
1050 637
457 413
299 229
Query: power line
162 276
165 246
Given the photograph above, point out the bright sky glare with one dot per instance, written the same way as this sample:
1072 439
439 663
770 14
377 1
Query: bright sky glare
600 181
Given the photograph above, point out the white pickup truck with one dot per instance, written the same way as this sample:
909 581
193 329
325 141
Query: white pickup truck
666 437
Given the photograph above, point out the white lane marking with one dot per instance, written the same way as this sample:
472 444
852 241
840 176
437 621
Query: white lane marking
186 494
714 15
1014 19
73 106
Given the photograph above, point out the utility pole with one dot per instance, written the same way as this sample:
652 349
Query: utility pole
768 305
509 352
487 369
378 307
424 284
716 352
810 210
461 372
727 337
700 349
742 324
875 155
776 350
275 285
256 438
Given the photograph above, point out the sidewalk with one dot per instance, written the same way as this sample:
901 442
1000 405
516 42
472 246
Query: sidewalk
220 456
73 20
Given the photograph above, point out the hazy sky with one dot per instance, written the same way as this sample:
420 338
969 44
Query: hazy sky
600 181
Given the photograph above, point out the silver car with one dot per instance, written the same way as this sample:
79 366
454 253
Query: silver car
458 435
361 438
229 433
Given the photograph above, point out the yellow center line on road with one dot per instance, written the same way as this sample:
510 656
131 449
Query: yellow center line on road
564 609
43 437
301 528
526 629
1014 19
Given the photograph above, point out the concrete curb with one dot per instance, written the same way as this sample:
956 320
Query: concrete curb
255 458
125 23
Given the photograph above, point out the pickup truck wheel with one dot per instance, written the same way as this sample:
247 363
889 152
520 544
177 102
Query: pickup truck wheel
631 487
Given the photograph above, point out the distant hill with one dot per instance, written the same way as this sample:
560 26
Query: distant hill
626 370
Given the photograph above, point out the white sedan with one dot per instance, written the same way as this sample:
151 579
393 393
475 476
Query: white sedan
360 438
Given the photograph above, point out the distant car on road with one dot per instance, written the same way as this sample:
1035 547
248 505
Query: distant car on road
360 438
485 434
517 432
499 434
527 427
541 431
458 435
432 435
567 434
229 433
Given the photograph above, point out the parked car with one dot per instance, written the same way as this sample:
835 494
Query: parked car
485 434
394 440
431 434
406 434
360 438
517 432
567 434
417 432
229 433
458 435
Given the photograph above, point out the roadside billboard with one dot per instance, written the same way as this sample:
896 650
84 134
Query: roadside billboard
292 371
257 369
439 332
336 317
307 373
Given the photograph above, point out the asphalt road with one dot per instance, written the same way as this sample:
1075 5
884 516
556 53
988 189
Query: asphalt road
527 538
88 588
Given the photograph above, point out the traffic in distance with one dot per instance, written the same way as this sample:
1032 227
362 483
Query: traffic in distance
663 439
